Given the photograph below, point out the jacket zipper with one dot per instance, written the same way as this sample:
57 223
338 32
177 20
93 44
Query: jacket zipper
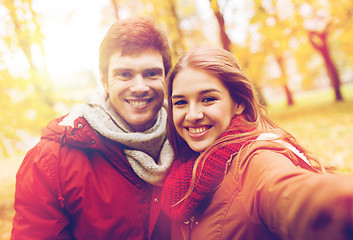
191 222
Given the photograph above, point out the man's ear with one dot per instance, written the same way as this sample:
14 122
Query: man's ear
239 108
104 84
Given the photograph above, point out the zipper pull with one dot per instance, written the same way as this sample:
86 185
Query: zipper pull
191 221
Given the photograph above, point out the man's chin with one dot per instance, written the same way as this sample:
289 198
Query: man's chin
142 123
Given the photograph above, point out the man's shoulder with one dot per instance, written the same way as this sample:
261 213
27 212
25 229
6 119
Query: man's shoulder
64 124
59 139
69 119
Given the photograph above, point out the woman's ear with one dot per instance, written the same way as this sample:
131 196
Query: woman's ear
239 108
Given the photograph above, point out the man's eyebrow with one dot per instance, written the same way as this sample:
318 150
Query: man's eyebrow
118 69
153 69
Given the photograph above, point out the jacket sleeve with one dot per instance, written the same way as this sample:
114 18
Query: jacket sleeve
295 203
38 212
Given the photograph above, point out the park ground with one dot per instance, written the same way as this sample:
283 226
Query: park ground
323 126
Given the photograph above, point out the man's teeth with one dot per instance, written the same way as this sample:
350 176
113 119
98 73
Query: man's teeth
197 130
138 103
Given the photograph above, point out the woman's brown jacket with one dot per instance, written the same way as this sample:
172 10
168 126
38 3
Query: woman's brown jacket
266 195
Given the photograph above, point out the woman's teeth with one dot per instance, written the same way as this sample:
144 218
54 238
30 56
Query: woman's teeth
197 130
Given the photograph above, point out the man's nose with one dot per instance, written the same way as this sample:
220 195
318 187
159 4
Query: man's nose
139 84
194 113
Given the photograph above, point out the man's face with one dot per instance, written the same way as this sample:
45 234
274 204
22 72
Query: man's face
135 87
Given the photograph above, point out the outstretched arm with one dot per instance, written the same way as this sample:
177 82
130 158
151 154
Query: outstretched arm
296 203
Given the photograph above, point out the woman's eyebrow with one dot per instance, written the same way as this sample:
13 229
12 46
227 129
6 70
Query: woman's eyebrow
177 96
210 90
202 92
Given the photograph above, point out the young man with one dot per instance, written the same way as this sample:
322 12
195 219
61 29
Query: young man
96 172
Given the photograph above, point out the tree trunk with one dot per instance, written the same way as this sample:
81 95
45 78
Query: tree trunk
116 8
287 91
226 43
319 42
289 95
178 42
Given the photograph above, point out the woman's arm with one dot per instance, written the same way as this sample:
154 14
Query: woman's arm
296 203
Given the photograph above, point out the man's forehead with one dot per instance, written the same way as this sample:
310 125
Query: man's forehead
135 51
146 59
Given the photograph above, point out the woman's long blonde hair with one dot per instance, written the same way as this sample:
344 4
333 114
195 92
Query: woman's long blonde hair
223 65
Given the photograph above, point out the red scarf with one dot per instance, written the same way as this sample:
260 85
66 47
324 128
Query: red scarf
209 174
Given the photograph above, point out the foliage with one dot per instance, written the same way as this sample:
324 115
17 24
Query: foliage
24 110
321 125
298 18
274 52
27 98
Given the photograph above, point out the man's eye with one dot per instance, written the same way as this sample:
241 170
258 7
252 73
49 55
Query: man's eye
123 75
153 74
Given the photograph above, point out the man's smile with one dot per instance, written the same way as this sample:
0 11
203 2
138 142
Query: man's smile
138 103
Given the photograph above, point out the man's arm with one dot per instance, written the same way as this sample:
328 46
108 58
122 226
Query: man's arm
38 211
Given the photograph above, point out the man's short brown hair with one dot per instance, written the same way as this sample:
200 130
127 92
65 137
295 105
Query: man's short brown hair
133 36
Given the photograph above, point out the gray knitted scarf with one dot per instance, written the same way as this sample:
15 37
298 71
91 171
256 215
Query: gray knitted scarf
149 153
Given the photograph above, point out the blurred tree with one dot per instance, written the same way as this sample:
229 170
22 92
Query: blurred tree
284 79
342 26
319 42
293 24
27 36
247 59
172 15
226 42
115 4
274 26
166 13
319 26
178 43
26 99
252 66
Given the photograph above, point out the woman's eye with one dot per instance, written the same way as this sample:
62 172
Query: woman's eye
178 103
209 99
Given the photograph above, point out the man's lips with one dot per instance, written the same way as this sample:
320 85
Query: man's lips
139 103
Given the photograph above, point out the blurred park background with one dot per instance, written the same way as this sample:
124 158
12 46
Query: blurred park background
298 53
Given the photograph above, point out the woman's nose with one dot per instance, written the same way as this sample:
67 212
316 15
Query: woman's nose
194 113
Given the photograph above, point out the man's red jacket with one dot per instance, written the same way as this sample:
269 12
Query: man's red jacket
76 184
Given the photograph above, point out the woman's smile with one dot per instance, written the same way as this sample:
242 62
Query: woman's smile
198 132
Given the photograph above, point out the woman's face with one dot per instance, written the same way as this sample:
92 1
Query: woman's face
202 107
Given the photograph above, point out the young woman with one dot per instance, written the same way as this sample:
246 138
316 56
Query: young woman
237 175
